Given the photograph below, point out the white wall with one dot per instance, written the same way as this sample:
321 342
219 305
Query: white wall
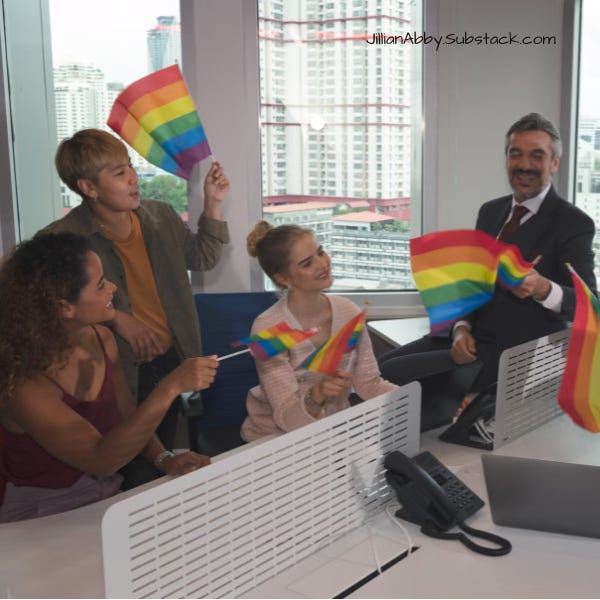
221 39
482 90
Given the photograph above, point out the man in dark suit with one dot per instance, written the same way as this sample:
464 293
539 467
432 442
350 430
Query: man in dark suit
551 228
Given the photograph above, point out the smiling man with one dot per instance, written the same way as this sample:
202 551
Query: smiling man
541 224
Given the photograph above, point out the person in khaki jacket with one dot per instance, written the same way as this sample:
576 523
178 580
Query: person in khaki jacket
146 250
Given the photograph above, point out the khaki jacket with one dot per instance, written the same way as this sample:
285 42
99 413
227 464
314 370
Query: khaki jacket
173 250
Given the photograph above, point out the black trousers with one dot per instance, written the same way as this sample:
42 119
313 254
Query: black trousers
443 382
150 374
139 471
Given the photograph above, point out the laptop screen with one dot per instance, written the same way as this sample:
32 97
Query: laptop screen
545 495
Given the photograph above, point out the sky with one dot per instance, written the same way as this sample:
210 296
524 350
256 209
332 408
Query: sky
110 34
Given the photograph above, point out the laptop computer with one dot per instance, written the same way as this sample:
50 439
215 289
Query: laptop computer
541 494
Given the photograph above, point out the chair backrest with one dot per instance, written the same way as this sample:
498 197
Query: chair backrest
225 318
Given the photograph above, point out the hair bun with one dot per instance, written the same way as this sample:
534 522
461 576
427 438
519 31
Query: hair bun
258 233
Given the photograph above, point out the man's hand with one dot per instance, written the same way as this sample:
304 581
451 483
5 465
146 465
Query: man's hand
216 186
183 463
463 349
534 286
141 338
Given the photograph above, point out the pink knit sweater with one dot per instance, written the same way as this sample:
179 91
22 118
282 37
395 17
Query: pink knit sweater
277 404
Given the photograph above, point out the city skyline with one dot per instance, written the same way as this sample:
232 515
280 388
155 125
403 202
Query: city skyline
79 34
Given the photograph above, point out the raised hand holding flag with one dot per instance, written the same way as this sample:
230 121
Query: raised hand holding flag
455 272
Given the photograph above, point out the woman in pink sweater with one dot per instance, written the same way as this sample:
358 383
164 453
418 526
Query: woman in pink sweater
288 397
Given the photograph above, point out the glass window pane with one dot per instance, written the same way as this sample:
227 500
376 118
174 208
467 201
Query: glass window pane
100 48
340 130
587 180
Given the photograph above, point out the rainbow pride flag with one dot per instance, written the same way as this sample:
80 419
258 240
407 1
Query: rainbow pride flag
456 271
269 342
579 393
327 357
157 117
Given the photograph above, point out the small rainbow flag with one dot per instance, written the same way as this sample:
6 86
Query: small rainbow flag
327 358
512 267
156 116
267 343
579 393
456 271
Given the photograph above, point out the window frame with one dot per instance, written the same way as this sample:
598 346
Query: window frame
211 26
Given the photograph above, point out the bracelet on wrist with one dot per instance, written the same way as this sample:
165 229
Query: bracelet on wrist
311 405
160 458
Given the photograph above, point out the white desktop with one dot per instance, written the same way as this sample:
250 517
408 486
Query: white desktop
301 516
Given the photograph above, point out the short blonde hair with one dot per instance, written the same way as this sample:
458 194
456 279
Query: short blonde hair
85 154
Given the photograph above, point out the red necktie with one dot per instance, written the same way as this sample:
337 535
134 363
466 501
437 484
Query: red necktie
513 223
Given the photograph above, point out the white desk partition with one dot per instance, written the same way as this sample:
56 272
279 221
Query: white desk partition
229 527
529 377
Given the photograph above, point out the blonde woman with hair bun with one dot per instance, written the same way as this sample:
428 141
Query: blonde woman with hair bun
287 397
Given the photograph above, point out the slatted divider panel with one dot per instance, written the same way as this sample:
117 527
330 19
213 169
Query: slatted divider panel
529 377
231 526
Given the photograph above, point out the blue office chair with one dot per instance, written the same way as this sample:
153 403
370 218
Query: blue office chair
225 318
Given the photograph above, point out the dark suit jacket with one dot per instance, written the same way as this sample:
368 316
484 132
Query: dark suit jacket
560 233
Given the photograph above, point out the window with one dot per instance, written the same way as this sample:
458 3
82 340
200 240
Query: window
587 180
228 106
347 123
66 61
90 73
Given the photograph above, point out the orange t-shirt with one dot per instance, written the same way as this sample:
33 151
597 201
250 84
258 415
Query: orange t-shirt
143 294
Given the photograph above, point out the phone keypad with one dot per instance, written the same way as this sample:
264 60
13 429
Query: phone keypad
462 498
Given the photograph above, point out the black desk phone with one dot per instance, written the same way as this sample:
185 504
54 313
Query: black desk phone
433 497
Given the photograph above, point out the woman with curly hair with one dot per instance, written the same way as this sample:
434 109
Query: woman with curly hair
67 419
288 398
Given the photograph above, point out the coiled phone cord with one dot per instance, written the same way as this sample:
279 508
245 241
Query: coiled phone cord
504 546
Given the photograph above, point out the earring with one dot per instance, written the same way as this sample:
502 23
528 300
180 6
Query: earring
94 196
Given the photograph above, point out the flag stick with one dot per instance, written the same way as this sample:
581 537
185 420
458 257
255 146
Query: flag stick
233 354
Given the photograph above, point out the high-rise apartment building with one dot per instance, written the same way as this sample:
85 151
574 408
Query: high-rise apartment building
164 44
337 122
81 98
335 109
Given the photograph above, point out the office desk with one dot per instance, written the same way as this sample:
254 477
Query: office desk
541 564
397 332
60 555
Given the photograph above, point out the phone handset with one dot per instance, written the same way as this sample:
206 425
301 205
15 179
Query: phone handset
422 498
433 497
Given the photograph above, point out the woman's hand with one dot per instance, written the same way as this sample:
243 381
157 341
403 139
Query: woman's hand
331 386
183 463
143 341
191 375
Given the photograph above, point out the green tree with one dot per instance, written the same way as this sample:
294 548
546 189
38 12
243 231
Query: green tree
168 188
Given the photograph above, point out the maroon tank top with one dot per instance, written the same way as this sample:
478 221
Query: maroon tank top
25 462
